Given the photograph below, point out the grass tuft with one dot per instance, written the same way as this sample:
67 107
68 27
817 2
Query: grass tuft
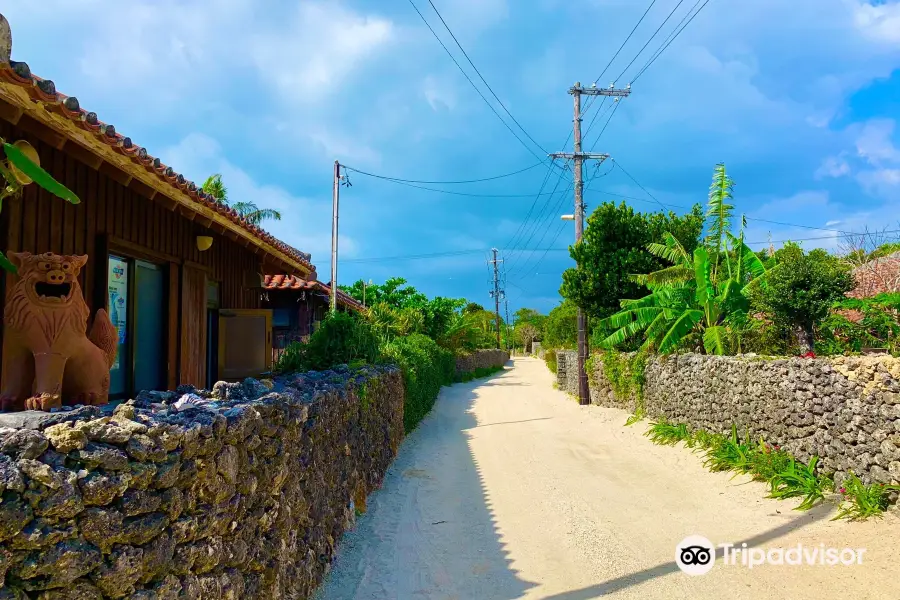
860 501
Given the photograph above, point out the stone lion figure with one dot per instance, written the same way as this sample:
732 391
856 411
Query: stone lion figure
48 356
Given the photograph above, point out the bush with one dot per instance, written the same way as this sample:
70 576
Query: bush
426 368
340 339
550 359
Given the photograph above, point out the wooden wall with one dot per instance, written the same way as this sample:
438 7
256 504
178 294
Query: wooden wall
40 222
117 218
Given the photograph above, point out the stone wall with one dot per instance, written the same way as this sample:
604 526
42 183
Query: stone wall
481 359
846 410
242 492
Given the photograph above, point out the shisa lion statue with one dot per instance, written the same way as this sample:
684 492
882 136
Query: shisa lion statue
48 356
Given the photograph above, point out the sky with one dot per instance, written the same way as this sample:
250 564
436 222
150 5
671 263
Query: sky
799 99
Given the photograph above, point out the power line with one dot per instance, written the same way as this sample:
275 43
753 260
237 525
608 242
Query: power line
667 44
615 162
454 193
521 226
400 180
540 219
483 80
647 43
472 83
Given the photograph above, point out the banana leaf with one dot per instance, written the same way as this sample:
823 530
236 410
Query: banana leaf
6 265
41 177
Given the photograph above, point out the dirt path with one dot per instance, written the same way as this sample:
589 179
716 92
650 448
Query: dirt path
510 490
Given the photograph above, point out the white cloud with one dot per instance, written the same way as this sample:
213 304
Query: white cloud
879 22
439 93
875 142
833 166
306 222
315 53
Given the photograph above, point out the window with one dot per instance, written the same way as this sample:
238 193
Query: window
281 317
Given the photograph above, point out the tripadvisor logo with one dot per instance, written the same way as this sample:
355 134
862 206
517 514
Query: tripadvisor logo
696 555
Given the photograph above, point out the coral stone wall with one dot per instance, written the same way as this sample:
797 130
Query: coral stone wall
845 410
481 359
242 492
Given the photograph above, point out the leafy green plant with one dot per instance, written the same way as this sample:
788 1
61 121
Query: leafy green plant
701 297
767 461
340 339
636 417
667 434
729 454
860 501
215 187
478 373
17 160
426 368
797 480
551 359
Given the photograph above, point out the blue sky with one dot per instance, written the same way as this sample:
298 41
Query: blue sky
799 99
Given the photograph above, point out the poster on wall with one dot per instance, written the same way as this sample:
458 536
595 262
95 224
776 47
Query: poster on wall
118 300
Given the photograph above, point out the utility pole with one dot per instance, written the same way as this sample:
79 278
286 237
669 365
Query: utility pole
578 157
335 197
496 292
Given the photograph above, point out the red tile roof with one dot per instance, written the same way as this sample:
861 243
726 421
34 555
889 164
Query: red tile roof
43 91
290 282
877 277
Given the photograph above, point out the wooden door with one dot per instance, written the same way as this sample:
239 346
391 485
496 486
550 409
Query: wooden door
193 327
245 343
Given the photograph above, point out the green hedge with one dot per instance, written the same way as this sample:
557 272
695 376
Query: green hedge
341 338
426 368
550 359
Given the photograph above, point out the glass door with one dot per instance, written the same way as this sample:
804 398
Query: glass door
149 327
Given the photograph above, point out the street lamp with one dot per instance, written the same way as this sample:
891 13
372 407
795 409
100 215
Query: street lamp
567 217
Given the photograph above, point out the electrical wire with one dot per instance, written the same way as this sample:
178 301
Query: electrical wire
467 194
400 180
647 43
483 80
521 226
616 163
472 83
541 218
667 44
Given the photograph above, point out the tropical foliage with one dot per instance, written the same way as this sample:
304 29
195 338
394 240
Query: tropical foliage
19 170
248 210
700 299
614 245
802 292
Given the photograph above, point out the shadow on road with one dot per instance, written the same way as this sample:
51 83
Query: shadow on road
430 531
820 512
512 422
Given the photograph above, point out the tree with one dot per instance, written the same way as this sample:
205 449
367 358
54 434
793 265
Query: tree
472 307
527 333
614 247
248 210
802 290
561 326
701 294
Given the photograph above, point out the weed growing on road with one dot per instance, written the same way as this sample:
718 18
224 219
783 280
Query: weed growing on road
636 417
667 434
786 476
730 454
860 501
799 480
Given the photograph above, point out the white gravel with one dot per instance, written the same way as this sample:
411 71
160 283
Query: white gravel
509 489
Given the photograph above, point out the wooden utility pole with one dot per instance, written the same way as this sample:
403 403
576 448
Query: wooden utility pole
335 197
496 292
578 157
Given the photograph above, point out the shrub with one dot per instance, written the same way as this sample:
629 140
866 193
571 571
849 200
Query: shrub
550 359
340 339
426 368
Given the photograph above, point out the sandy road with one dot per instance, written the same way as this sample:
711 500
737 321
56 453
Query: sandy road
509 490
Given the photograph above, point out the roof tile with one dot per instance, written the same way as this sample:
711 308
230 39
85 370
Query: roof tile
44 91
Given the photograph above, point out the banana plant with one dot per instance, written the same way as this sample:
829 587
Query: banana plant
20 170
685 298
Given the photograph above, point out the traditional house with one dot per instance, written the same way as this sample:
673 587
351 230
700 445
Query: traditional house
180 274
877 276
298 305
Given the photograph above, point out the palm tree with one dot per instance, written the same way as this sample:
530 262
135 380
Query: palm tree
692 296
248 210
